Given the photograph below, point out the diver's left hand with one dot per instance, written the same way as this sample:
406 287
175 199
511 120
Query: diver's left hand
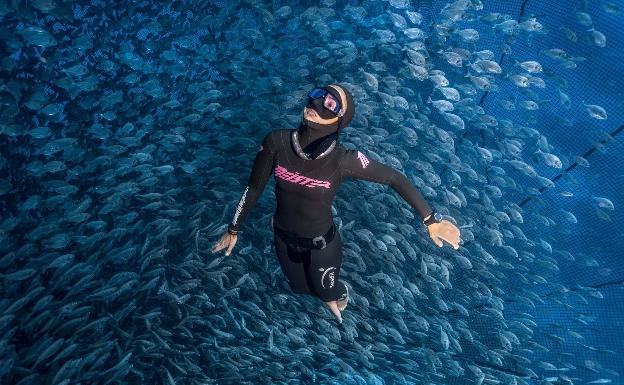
444 231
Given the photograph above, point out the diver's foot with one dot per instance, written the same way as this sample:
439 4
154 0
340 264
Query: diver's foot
342 303
333 306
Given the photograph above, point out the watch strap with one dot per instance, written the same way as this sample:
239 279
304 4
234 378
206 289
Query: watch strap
431 219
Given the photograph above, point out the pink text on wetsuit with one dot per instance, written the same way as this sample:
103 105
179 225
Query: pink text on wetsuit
295 177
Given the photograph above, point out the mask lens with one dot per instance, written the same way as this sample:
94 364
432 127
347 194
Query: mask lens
331 103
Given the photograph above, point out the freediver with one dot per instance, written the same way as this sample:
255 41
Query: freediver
309 164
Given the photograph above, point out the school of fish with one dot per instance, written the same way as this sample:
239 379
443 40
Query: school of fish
127 132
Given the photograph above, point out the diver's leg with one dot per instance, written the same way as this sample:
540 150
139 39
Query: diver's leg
342 302
333 306
324 272
293 266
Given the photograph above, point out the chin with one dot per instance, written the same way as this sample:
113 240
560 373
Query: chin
306 120
316 125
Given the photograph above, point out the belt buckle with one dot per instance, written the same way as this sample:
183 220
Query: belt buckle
319 238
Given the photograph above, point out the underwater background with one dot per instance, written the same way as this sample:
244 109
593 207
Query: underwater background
127 135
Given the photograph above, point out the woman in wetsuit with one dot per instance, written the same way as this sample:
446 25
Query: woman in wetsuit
309 164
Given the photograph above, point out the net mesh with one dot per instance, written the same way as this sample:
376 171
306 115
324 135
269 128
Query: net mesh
587 333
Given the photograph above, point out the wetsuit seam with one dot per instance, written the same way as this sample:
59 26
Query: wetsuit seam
329 178
267 164
288 153
341 168
274 157
364 177
370 178
347 171
329 163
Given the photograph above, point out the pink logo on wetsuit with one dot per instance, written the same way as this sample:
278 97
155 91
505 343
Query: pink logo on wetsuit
363 159
295 177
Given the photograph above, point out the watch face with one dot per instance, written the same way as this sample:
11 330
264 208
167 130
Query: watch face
437 217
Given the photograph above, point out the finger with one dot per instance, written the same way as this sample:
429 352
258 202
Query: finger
229 250
438 241
452 241
220 246
449 237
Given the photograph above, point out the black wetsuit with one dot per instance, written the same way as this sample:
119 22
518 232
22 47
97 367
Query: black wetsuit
305 191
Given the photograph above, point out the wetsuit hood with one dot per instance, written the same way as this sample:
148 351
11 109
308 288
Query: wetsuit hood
349 111
315 137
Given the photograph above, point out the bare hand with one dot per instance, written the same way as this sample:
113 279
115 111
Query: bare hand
227 240
444 231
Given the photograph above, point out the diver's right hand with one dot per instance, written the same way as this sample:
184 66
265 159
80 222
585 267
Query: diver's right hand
227 240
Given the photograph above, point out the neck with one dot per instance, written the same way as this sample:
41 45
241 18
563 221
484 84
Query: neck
307 134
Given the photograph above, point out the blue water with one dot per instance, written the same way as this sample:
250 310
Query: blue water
128 132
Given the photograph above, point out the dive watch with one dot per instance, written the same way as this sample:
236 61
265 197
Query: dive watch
432 218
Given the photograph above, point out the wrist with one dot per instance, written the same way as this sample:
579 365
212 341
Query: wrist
432 218
232 231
